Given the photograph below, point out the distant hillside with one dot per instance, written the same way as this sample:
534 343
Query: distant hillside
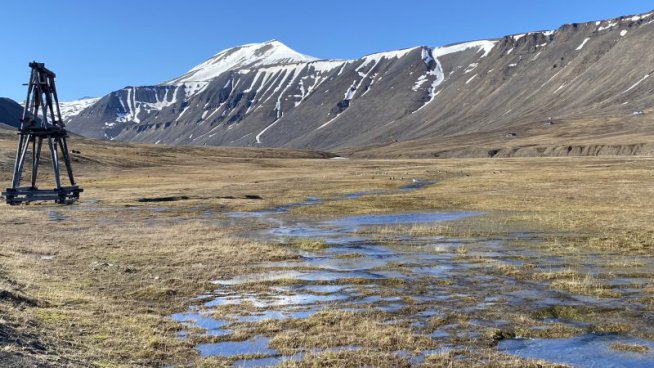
10 112
580 83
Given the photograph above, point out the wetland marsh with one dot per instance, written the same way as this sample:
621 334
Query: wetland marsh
313 262
450 293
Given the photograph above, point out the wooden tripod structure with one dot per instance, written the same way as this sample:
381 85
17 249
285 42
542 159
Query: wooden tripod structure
42 122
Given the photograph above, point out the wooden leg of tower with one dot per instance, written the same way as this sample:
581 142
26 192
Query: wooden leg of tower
67 161
15 182
35 161
21 155
52 143
39 148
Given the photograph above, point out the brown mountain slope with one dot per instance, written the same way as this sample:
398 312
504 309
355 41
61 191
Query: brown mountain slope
592 80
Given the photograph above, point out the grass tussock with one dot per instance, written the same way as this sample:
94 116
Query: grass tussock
346 359
567 312
630 348
488 358
549 331
337 329
306 244
585 285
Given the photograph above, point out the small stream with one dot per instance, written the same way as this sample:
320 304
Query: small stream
411 278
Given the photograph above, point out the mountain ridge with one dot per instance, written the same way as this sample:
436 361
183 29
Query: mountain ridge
390 96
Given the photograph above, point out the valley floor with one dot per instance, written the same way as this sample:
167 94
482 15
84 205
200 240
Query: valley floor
96 283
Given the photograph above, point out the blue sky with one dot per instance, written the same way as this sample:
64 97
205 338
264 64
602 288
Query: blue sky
99 46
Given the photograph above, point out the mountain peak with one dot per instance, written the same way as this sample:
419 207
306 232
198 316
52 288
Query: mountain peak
271 52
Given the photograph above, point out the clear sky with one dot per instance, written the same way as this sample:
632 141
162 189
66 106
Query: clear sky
96 47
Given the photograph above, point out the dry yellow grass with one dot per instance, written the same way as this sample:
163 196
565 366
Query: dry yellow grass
632 348
106 278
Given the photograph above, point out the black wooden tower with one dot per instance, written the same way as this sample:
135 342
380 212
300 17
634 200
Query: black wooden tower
42 122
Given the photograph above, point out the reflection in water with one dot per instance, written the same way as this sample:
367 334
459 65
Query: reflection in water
590 350
257 345
358 273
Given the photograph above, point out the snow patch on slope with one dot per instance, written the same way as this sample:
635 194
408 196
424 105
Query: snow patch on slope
373 59
132 106
485 46
583 44
608 26
421 80
436 73
376 58
637 84
471 68
319 75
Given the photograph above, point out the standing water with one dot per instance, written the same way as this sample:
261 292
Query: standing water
411 278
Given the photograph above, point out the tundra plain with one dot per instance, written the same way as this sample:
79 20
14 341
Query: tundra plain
97 283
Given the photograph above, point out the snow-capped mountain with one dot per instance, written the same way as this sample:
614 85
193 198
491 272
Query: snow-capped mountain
264 83
69 109
243 57
269 95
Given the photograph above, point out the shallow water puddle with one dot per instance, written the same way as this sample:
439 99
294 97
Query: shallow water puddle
266 362
276 315
56 216
413 279
256 346
275 300
324 276
212 327
400 219
325 282
312 201
590 350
